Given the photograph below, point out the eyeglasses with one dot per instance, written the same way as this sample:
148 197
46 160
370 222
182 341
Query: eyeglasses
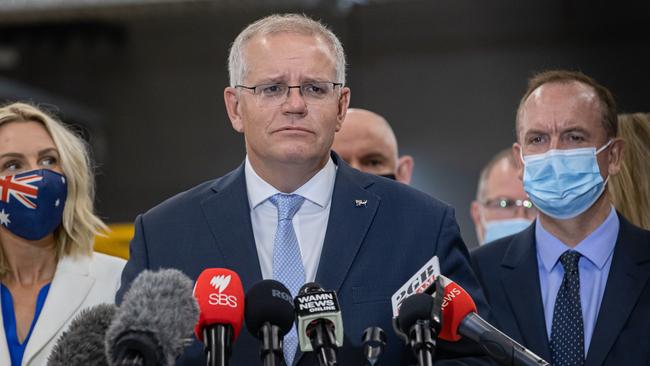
502 204
273 95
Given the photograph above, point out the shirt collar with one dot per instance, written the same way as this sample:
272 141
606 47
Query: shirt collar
597 247
317 190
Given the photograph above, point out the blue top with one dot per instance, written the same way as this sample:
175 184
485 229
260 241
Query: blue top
17 349
597 251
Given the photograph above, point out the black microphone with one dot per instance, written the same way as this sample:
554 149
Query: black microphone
269 317
373 341
417 320
82 343
319 322
155 320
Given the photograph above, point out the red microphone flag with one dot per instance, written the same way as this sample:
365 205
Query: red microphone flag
220 295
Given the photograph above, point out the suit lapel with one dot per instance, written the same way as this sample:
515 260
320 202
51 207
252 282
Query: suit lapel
353 209
520 280
69 288
227 213
347 226
626 280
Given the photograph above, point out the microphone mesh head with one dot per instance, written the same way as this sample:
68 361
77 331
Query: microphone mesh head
161 304
83 342
415 307
269 301
309 287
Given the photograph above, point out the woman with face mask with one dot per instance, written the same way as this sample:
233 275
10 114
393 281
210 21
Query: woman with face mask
48 271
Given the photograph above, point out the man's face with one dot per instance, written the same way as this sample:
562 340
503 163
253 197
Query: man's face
565 116
294 133
562 116
367 143
503 198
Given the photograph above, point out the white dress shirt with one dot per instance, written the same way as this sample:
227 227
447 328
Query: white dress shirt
309 223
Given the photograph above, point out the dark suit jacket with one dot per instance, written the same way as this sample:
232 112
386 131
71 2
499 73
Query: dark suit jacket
508 272
368 252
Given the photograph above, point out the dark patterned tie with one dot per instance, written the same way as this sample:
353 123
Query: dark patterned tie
567 331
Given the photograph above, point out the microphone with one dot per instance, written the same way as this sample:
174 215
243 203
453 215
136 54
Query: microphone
459 319
154 322
220 295
83 342
373 343
269 317
417 321
319 323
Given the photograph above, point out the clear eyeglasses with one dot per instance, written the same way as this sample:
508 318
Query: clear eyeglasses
313 92
509 206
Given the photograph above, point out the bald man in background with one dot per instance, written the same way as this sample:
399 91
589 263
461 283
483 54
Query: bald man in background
501 207
367 142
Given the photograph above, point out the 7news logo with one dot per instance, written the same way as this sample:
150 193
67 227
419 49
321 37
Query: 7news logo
220 283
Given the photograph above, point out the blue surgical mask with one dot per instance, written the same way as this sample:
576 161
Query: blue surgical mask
498 229
564 183
31 203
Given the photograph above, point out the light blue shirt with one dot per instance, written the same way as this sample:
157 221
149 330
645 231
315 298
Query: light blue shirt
309 223
597 250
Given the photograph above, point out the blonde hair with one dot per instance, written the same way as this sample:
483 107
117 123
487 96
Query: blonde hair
277 24
80 224
630 189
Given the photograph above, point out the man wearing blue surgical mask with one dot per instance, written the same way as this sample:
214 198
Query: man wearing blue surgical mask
573 287
501 207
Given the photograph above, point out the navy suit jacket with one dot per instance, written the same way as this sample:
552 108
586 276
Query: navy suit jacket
368 251
508 272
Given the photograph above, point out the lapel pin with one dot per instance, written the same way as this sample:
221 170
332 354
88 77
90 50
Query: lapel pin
360 203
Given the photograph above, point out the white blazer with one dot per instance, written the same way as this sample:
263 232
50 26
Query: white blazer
78 283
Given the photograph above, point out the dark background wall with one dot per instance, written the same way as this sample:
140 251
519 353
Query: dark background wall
146 82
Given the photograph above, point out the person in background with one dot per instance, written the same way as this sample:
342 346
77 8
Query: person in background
294 211
48 271
367 142
630 189
501 207
573 286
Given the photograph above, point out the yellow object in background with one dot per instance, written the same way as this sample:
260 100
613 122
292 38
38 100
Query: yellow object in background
116 243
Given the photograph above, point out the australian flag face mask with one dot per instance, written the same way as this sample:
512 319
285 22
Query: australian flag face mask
31 203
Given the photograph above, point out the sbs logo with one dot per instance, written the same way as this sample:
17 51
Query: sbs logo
220 283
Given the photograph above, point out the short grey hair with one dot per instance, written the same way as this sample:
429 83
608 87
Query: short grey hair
283 23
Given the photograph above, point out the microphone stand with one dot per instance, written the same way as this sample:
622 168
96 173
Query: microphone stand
322 341
271 347
373 341
424 332
217 339
423 342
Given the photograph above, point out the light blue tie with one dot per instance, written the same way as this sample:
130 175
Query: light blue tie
287 261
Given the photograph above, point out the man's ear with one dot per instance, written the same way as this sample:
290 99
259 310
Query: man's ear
344 102
615 155
475 213
231 98
516 156
404 170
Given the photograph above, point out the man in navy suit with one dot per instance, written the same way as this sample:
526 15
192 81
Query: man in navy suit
573 286
357 234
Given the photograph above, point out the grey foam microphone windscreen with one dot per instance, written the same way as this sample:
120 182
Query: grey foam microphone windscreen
83 342
160 309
